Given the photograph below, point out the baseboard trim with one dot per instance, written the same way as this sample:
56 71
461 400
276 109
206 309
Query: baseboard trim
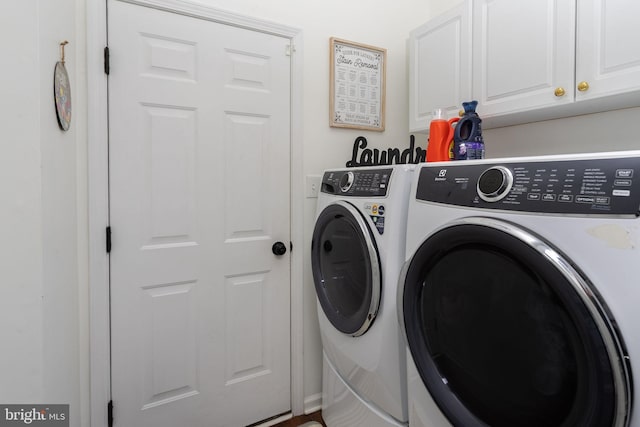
312 403
274 421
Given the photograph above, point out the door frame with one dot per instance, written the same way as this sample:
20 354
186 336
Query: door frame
98 191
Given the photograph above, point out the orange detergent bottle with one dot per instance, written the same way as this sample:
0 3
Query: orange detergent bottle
440 137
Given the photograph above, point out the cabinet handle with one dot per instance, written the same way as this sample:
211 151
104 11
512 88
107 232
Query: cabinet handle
559 91
583 86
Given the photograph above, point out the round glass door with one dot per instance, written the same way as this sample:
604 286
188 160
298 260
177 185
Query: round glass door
346 268
506 332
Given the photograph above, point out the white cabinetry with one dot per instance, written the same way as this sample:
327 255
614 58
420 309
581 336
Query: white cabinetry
532 60
607 55
542 59
440 66
523 51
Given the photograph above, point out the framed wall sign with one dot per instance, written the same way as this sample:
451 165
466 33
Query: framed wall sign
357 85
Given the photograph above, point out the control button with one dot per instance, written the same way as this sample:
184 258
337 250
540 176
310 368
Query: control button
549 197
585 199
346 181
624 173
494 183
602 200
381 210
622 182
533 196
565 198
624 193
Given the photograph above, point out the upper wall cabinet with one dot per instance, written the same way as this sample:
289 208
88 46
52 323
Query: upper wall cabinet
541 59
607 55
439 66
532 60
523 52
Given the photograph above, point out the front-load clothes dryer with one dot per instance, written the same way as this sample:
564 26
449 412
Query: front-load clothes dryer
357 252
520 296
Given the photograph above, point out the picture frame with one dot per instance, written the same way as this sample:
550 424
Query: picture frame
357 85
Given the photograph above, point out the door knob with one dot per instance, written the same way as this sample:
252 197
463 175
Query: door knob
583 86
279 248
559 92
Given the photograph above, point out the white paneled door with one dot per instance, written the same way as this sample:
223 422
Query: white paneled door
199 123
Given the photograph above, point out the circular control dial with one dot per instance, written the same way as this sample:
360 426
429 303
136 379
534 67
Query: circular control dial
346 182
495 183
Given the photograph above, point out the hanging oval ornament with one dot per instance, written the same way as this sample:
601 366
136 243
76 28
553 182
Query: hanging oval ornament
62 91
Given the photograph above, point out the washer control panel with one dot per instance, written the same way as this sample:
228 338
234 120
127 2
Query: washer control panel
357 183
579 186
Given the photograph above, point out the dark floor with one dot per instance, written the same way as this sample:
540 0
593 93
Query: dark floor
301 419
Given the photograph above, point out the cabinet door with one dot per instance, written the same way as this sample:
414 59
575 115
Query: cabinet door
523 51
440 66
607 59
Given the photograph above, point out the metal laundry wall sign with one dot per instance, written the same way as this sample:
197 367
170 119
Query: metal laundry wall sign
363 156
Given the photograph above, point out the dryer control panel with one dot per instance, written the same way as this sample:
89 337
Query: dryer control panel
608 186
357 183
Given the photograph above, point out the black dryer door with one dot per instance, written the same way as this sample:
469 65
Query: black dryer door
346 268
505 332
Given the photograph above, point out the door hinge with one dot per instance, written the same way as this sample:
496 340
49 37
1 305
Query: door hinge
107 65
289 50
108 236
110 413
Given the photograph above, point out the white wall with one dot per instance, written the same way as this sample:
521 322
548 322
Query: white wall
21 323
608 131
43 294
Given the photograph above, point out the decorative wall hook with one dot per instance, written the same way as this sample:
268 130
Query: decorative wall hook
62 45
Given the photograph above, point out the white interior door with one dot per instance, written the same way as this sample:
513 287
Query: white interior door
199 123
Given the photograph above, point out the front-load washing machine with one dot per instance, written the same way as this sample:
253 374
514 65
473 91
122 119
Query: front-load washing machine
520 299
357 253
